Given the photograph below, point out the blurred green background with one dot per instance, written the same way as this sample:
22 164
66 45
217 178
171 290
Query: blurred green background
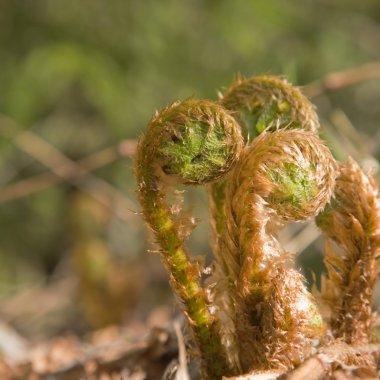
86 76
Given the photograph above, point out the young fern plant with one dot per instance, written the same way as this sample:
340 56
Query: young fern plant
189 142
264 164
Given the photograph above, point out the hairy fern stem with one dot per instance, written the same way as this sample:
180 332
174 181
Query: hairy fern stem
191 142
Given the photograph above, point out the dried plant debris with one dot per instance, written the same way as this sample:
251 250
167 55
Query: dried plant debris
108 354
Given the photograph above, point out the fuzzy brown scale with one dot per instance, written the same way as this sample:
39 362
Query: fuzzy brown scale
289 320
352 222
257 204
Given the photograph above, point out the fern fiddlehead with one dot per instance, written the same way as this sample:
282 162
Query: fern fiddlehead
191 142
285 174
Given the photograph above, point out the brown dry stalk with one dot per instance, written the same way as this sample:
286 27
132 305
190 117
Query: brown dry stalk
90 163
70 171
342 79
352 227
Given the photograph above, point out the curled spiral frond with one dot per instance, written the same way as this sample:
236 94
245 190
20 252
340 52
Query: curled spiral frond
291 170
191 142
352 226
287 175
269 102
194 141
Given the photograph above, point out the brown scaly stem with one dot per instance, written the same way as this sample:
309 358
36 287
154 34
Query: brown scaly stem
352 222
194 141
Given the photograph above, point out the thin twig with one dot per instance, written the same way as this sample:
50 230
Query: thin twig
90 163
182 371
328 357
341 79
311 369
72 172
303 239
